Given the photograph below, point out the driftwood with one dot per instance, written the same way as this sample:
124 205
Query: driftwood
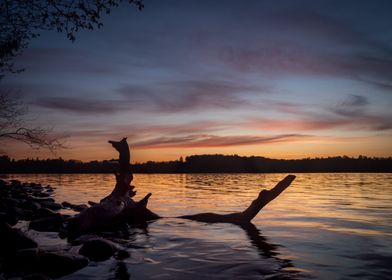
265 197
119 207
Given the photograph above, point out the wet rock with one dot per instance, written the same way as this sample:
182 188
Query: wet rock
83 239
92 203
122 254
41 194
8 218
45 212
57 264
15 182
79 207
51 205
41 264
10 202
36 276
66 204
30 205
52 223
98 249
13 240
19 213
22 261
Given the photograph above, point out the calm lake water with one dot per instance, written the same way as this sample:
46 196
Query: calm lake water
324 226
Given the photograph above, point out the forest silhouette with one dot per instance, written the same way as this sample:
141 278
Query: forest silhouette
204 164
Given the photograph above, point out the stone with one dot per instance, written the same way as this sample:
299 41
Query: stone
13 240
98 249
30 205
45 212
122 254
79 207
36 276
52 223
9 218
57 264
66 204
22 261
51 205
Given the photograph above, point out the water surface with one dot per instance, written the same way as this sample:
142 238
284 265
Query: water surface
325 226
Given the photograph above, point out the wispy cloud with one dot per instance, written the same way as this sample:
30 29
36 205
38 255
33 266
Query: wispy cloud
189 95
80 105
197 141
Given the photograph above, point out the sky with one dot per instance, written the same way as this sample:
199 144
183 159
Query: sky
280 79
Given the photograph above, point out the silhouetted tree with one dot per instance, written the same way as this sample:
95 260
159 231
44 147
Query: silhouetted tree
22 20
204 164
13 125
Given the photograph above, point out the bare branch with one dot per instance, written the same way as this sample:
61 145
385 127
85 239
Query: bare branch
13 125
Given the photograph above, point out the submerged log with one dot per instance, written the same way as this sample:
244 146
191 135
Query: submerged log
265 197
119 207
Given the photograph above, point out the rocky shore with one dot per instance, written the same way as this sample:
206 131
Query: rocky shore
22 257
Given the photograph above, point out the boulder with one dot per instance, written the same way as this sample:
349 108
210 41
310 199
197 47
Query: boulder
51 223
21 262
79 207
122 254
8 218
36 276
57 264
45 212
12 240
51 205
66 204
98 249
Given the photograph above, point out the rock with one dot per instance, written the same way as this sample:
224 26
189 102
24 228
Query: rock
41 264
79 207
30 205
41 194
92 203
9 218
45 212
10 202
22 261
122 254
57 264
15 182
51 205
52 223
42 199
13 240
66 204
97 249
19 213
36 276
2 183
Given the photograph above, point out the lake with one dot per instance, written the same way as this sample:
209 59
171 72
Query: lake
324 226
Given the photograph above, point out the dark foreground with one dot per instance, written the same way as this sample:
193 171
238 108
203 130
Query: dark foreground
23 258
20 255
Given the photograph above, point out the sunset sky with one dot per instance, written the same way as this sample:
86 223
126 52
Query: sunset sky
280 79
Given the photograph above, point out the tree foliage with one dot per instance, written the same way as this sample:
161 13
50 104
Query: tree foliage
22 20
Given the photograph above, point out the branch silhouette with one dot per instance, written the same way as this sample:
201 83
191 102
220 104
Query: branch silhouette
14 126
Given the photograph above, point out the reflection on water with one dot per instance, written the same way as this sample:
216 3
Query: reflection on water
324 226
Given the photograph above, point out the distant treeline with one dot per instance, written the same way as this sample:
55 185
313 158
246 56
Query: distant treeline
204 164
